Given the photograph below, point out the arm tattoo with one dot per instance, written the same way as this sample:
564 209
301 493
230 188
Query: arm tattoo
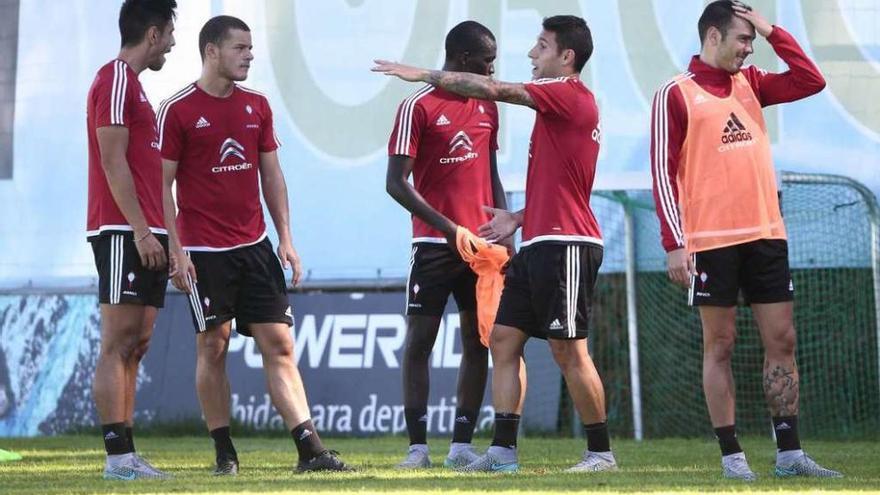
462 83
781 388
516 94
482 87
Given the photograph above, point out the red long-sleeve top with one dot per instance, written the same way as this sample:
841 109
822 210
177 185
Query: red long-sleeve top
669 118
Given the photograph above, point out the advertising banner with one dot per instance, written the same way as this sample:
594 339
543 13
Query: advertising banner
348 348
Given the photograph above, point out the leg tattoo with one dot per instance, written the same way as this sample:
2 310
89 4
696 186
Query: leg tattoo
781 389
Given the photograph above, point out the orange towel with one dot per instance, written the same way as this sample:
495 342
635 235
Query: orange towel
487 261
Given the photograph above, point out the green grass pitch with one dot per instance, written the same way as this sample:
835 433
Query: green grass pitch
72 464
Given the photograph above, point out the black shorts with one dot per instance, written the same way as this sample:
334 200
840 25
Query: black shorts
548 290
122 279
435 271
758 268
246 283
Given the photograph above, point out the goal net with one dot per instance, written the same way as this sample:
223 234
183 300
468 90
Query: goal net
832 225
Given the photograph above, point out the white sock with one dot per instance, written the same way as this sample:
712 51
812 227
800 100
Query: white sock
502 453
420 447
116 460
788 457
608 456
455 448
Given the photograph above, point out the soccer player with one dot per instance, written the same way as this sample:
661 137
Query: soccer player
125 224
549 284
447 142
721 224
218 143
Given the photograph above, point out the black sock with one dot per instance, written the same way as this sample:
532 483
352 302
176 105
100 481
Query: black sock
786 433
465 421
726 436
115 441
506 427
308 444
223 444
129 437
416 424
597 437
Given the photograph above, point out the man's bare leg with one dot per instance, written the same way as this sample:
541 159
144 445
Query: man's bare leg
588 395
289 396
121 327
282 376
581 378
132 366
781 380
212 386
782 389
508 388
508 391
212 383
719 336
472 375
125 336
421 333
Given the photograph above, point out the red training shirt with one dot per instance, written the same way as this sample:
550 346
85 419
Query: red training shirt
217 143
117 98
450 138
562 163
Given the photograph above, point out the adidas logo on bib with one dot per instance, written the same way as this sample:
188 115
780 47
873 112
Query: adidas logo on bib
556 325
442 120
202 122
734 135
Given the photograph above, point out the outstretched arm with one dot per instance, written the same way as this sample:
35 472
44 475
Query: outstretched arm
461 83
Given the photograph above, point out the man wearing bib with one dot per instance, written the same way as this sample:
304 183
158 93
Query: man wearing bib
721 225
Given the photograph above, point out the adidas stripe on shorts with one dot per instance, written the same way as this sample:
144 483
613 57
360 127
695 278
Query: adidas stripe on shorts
245 283
548 289
122 279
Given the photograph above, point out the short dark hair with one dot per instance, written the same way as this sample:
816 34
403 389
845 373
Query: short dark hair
467 36
718 14
217 29
572 33
137 16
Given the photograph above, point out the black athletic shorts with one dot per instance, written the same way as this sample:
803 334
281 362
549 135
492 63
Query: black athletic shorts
435 271
758 268
548 290
122 279
245 283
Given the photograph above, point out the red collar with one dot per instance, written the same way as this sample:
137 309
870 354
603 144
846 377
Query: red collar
708 74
